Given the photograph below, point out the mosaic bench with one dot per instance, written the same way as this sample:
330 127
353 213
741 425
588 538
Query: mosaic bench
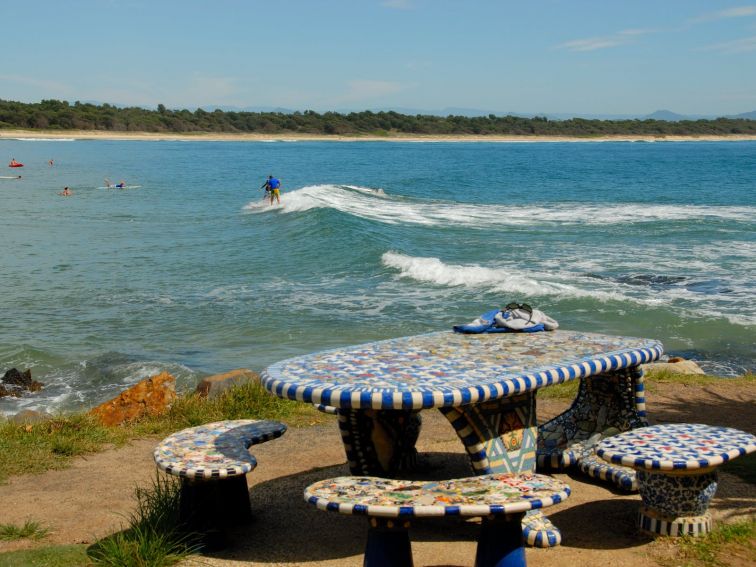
676 470
500 499
605 405
212 461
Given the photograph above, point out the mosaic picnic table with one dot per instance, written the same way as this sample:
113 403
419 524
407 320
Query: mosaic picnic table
486 387
677 474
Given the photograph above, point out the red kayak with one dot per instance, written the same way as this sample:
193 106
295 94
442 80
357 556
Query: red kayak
16 165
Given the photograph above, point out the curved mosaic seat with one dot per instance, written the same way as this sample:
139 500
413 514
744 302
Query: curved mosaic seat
623 478
212 461
605 405
501 499
215 450
676 471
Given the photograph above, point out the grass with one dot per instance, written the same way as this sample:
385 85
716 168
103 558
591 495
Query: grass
720 547
52 444
50 556
30 530
154 537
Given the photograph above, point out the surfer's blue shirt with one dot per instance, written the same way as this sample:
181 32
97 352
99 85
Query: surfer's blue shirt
274 183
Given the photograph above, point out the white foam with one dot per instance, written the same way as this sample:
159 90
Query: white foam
551 279
511 280
376 205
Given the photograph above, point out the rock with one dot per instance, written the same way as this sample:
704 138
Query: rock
675 365
150 396
215 385
30 416
15 383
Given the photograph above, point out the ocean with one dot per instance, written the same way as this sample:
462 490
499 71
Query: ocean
193 273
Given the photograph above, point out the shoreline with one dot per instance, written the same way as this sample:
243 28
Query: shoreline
292 137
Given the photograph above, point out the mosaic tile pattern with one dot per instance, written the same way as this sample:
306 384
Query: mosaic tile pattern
676 447
649 522
380 442
623 478
539 531
676 473
673 496
493 494
215 450
451 369
605 405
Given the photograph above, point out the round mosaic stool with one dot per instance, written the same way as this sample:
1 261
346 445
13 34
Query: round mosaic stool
501 499
676 471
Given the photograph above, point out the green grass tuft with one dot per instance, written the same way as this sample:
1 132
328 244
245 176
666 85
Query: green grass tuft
30 530
154 536
713 549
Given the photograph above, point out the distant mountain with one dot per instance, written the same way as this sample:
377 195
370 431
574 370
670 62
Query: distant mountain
746 115
667 115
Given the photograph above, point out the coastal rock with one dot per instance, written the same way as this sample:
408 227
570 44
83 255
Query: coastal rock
28 416
675 365
150 396
213 386
15 383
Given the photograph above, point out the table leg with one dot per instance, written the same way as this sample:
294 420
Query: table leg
676 504
606 404
500 436
379 442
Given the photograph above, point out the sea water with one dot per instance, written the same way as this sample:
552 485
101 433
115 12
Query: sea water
192 272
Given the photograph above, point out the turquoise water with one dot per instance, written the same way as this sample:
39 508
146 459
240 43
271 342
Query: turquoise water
193 273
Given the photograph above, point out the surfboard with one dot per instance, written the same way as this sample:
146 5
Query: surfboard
10 176
125 187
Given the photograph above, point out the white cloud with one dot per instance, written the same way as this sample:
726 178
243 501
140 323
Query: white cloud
742 45
593 43
740 12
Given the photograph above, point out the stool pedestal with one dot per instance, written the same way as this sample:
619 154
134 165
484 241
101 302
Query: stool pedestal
676 504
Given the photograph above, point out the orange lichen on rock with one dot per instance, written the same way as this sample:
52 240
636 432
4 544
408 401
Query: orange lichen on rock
152 395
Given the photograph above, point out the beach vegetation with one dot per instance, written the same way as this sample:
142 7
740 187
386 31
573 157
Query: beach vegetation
29 530
48 556
727 544
61 115
34 448
154 536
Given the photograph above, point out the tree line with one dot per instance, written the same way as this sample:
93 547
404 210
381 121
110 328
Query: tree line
61 115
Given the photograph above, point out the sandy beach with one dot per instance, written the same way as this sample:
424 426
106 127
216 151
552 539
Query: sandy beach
292 137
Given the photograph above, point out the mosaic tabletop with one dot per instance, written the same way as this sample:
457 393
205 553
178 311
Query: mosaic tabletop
678 446
490 494
451 369
215 450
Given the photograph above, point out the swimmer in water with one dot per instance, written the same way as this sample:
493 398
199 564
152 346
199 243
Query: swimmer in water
66 192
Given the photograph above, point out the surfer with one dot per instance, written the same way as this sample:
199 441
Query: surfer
66 192
13 163
273 189
120 185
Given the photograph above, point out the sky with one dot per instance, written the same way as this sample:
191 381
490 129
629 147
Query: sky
693 57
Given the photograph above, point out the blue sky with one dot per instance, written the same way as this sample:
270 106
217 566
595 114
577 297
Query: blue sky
568 56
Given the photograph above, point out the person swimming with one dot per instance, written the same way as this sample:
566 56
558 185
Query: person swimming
66 192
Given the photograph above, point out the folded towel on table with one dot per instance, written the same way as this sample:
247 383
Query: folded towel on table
509 321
